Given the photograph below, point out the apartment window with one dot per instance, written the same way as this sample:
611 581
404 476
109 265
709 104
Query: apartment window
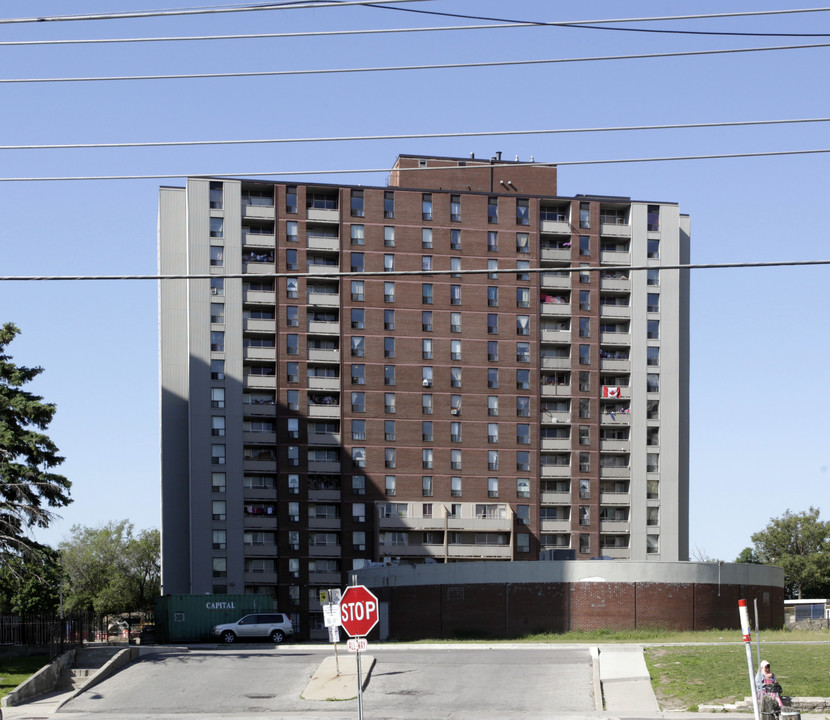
492 296
389 402
358 429
357 234
652 544
455 266
388 262
388 204
584 381
216 227
492 324
357 290
358 458
523 461
426 263
358 346
389 457
652 277
523 352
455 432
293 456
455 459
426 238
220 567
217 341
492 241
293 400
523 434
584 408
523 514
426 294
652 355
426 430
218 509
217 369
653 302
492 459
584 543
357 262
357 203
388 319
492 377
522 265
455 349
426 206
652 382
455 294
389 430
217 312
291 231
652 436
584 245
358 318
584 327
492 405
455 377
653 248
292 344
653 218
292 287
426 349
388 347
389 292
522 211
292 318
292 372
522 325
389 236
584 489
493 265
455 208
455 239
217 286
522 487
652 462
426 404
217 454
523 297
388 374
455 487
426 458
584 215
291 199
522 406
653 329
492 210
523 379
652 489
584 462
522 243
584 354
426 321
215 195
653 410
358 374
217 425
358 402
492 432
217 397
492 351
217 256
455 404
584 435
584 299
426 488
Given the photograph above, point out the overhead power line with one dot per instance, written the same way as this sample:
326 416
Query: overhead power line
358 171
396 68
256 7
412 136
422 273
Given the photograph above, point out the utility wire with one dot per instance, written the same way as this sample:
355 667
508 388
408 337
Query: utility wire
282 173
413 136
422 273
395 68
315 4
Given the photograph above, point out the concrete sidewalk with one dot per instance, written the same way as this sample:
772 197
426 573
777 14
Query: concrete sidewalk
626 685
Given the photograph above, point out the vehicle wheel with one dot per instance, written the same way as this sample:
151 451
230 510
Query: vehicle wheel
278 636
228 637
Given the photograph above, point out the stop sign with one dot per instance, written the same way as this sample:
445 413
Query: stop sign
358 611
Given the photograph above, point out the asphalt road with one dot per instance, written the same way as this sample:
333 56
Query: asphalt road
407 682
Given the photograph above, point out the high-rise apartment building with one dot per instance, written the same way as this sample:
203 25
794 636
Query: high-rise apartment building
461 365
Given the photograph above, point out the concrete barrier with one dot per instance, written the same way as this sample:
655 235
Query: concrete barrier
43 681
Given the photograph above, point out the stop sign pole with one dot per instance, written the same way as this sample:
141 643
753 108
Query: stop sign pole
358 615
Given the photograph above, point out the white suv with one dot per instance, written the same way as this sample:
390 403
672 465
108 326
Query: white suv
275 626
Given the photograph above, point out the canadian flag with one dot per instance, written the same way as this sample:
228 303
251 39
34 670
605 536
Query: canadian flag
610 392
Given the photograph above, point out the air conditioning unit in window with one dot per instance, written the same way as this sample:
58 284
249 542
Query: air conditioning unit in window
360 518
294 518
359 547
455 411
426 383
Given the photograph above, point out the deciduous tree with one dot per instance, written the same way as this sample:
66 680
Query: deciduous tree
799 543
29 487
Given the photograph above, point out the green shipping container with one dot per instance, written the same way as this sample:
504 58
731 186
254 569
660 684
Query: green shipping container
190 618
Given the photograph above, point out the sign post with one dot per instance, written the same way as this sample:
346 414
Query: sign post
330 600
746 632
358 615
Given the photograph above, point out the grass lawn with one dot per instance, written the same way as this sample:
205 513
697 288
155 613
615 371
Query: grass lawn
14 671
685 677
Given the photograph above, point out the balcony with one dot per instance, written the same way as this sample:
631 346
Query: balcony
322 242
556 363
551 417
556 443
614 257
615 338
266 382
555 471
326 215
252 410
259 296
259 578
323 411
322 468
410 523
614 526
319 270
551 281
552 309
258 268
323 523
259 212
615 445
555 498
258 240
549 254
261 551
324 550
330 356
621 365
261 438
555 526
260 465
555 227
332 579
614 498
619 418
616 552
323 383
614 281
615 311
614 472
480 552
325 439
551 390
324 328
259 325
322 299
553 336
259 353
615 229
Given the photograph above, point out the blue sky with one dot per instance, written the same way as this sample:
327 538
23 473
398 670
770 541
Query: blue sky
759 336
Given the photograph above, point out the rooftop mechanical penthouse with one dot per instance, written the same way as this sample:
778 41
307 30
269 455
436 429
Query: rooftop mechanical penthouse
461 365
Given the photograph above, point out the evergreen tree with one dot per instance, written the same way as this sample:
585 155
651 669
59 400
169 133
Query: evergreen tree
29 488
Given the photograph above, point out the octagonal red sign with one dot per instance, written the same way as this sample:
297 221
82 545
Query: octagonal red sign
358 610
